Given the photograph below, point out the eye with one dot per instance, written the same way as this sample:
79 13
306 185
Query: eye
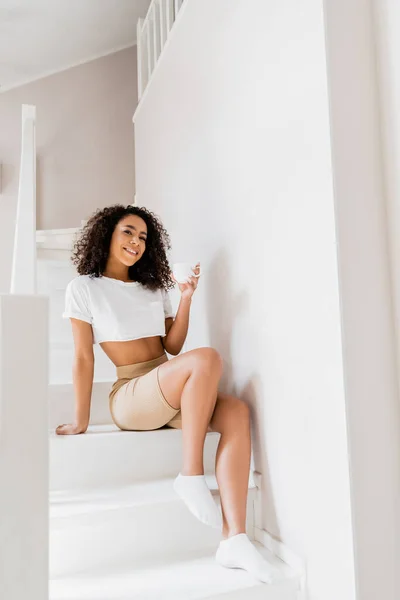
143 239
127 231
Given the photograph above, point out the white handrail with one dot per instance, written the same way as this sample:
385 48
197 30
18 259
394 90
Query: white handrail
152 34
23 275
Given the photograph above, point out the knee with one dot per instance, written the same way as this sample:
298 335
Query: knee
208 358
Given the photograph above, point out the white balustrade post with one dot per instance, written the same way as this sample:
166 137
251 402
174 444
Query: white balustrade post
23 276
177 7
169 15
152 34
163 33
156 30
139 57
149 49
24 439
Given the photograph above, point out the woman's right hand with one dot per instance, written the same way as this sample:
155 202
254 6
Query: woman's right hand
70 429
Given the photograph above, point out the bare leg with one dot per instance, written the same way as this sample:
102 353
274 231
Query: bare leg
190 382
232 419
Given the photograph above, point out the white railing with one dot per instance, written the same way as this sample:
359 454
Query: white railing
23 275
152 35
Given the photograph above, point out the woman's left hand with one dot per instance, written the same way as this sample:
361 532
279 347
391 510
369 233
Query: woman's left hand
187 289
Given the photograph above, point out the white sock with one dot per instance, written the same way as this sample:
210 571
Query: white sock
193 490
238 552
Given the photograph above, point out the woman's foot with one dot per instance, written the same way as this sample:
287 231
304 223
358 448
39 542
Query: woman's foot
193 490
238 552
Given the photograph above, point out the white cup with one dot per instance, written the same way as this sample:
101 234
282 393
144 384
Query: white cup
182 271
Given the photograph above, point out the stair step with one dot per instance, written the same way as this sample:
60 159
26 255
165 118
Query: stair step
146 521
194 577
107 456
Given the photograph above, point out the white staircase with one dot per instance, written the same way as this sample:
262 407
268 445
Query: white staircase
118 530
152 35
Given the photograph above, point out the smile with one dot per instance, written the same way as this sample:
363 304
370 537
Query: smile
132 252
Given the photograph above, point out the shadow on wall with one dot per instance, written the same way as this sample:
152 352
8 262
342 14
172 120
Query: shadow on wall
253 394
223 308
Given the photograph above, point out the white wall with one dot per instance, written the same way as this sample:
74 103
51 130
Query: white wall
387 21
233 151
373 408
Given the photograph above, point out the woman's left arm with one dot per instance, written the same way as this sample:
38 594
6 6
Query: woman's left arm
176 329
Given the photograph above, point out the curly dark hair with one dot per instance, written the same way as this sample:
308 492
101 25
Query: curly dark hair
91 247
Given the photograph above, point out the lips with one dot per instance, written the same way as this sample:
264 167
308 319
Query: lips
131 252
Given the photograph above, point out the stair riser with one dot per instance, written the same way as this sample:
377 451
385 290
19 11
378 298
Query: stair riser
61 404
264 592
147 532
95 461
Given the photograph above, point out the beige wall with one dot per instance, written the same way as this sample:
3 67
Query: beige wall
84 145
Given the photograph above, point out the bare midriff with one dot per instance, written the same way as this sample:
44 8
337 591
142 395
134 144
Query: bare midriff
135 351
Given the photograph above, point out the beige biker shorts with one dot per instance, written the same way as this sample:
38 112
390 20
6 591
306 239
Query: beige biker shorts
136 400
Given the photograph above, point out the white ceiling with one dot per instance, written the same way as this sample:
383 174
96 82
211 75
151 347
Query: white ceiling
40 37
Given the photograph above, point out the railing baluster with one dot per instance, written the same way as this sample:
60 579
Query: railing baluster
163 37
149 58
139 39
152 34
169 15
177 5
156 43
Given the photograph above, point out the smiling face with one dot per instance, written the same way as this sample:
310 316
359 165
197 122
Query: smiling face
128 241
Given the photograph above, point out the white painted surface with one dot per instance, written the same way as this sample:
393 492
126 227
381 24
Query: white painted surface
373 409
23 274
119 531
61 401
47 37
147 521
189 578
387 36
107 456
233 151
153 33
56 239
23 447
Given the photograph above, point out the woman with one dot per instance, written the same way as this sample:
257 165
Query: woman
120 301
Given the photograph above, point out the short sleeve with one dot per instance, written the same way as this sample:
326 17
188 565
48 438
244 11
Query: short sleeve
77 302
167 304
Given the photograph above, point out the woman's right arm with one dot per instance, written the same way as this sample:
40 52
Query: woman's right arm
83 371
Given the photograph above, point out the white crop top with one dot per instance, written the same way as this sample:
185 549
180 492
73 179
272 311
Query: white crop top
117 310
